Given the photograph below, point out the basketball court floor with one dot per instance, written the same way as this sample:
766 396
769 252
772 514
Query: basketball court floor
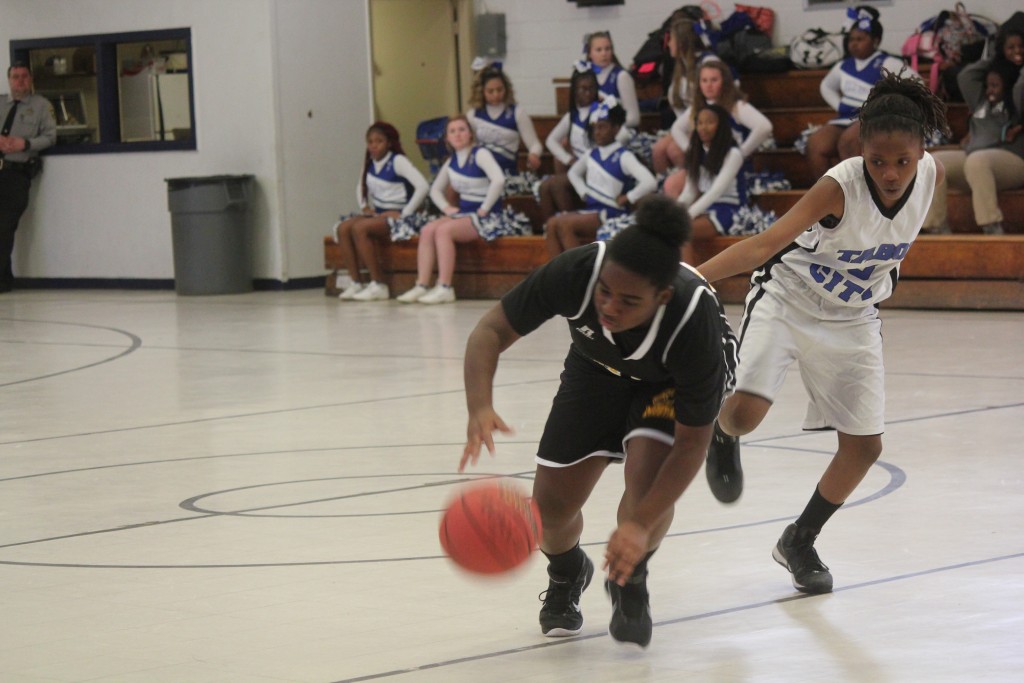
248 488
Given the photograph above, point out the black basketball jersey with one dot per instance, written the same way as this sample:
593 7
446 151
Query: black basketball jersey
688 342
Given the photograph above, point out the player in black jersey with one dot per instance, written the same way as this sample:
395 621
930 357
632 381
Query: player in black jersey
651 360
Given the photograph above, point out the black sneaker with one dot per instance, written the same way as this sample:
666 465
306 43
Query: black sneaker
795 551
725 476
561 615
631 611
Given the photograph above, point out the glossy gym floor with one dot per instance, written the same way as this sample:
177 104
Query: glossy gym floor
248 487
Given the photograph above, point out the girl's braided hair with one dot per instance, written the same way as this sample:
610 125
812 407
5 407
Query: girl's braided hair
902 104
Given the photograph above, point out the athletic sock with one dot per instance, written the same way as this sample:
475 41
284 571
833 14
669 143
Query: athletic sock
641 567
567 564
817 512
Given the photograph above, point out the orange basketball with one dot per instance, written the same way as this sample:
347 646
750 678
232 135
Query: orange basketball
490 527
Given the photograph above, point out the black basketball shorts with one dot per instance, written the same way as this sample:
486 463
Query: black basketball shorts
596 412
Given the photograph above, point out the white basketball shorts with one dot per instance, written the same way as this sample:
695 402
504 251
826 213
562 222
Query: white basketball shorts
839 350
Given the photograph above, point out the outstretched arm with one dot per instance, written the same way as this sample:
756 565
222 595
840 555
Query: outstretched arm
826 197
492 335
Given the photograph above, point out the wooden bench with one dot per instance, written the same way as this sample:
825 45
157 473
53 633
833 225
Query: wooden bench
982 272
484 270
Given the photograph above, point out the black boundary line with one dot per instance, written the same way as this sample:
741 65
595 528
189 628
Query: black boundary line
136 343
679 620
897 477
262 413
253 454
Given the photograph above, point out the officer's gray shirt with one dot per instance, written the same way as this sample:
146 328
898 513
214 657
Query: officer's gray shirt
34 121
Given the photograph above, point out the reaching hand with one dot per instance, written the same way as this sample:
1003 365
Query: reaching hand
482 425
626 547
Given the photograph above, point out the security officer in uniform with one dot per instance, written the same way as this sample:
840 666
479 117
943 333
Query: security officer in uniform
27 126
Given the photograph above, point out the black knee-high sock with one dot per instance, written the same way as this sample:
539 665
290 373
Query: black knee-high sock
567 564
817 512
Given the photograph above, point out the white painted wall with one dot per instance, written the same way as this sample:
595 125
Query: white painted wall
546 36
259 67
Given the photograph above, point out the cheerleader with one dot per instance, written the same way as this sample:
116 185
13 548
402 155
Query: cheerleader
689 45
600 179
473 173
749 126
568 141
389 193
613 80
716 189
844 88
499 124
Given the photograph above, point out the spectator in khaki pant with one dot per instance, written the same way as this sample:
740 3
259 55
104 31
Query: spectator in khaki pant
992 154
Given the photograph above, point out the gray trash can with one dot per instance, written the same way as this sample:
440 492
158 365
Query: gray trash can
211 234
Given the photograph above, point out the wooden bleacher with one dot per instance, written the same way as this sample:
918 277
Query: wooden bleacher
940 272
965 270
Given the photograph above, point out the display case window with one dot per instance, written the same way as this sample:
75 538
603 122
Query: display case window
116 92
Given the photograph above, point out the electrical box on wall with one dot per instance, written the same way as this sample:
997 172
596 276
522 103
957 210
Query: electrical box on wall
490 35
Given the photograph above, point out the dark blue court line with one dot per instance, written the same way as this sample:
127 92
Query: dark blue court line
752 442
460 479
326 449
136 342
562 642
896 479
262 413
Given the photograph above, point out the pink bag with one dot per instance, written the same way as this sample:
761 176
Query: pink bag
942 39
923 44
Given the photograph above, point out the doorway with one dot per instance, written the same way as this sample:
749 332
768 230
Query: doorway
420 56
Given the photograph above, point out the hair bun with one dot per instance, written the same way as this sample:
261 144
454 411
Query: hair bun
663 218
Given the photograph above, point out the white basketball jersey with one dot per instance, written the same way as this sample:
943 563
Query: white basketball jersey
856 262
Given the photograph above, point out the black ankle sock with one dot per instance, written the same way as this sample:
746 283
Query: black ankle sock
567 564
817 512
641 567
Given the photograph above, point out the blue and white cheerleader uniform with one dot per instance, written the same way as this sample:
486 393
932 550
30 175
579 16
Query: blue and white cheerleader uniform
572 126
500 130
601 176
614 81
393 184
476 176
847 84
722 195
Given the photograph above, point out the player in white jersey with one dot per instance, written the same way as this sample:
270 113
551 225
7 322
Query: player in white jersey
819 272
